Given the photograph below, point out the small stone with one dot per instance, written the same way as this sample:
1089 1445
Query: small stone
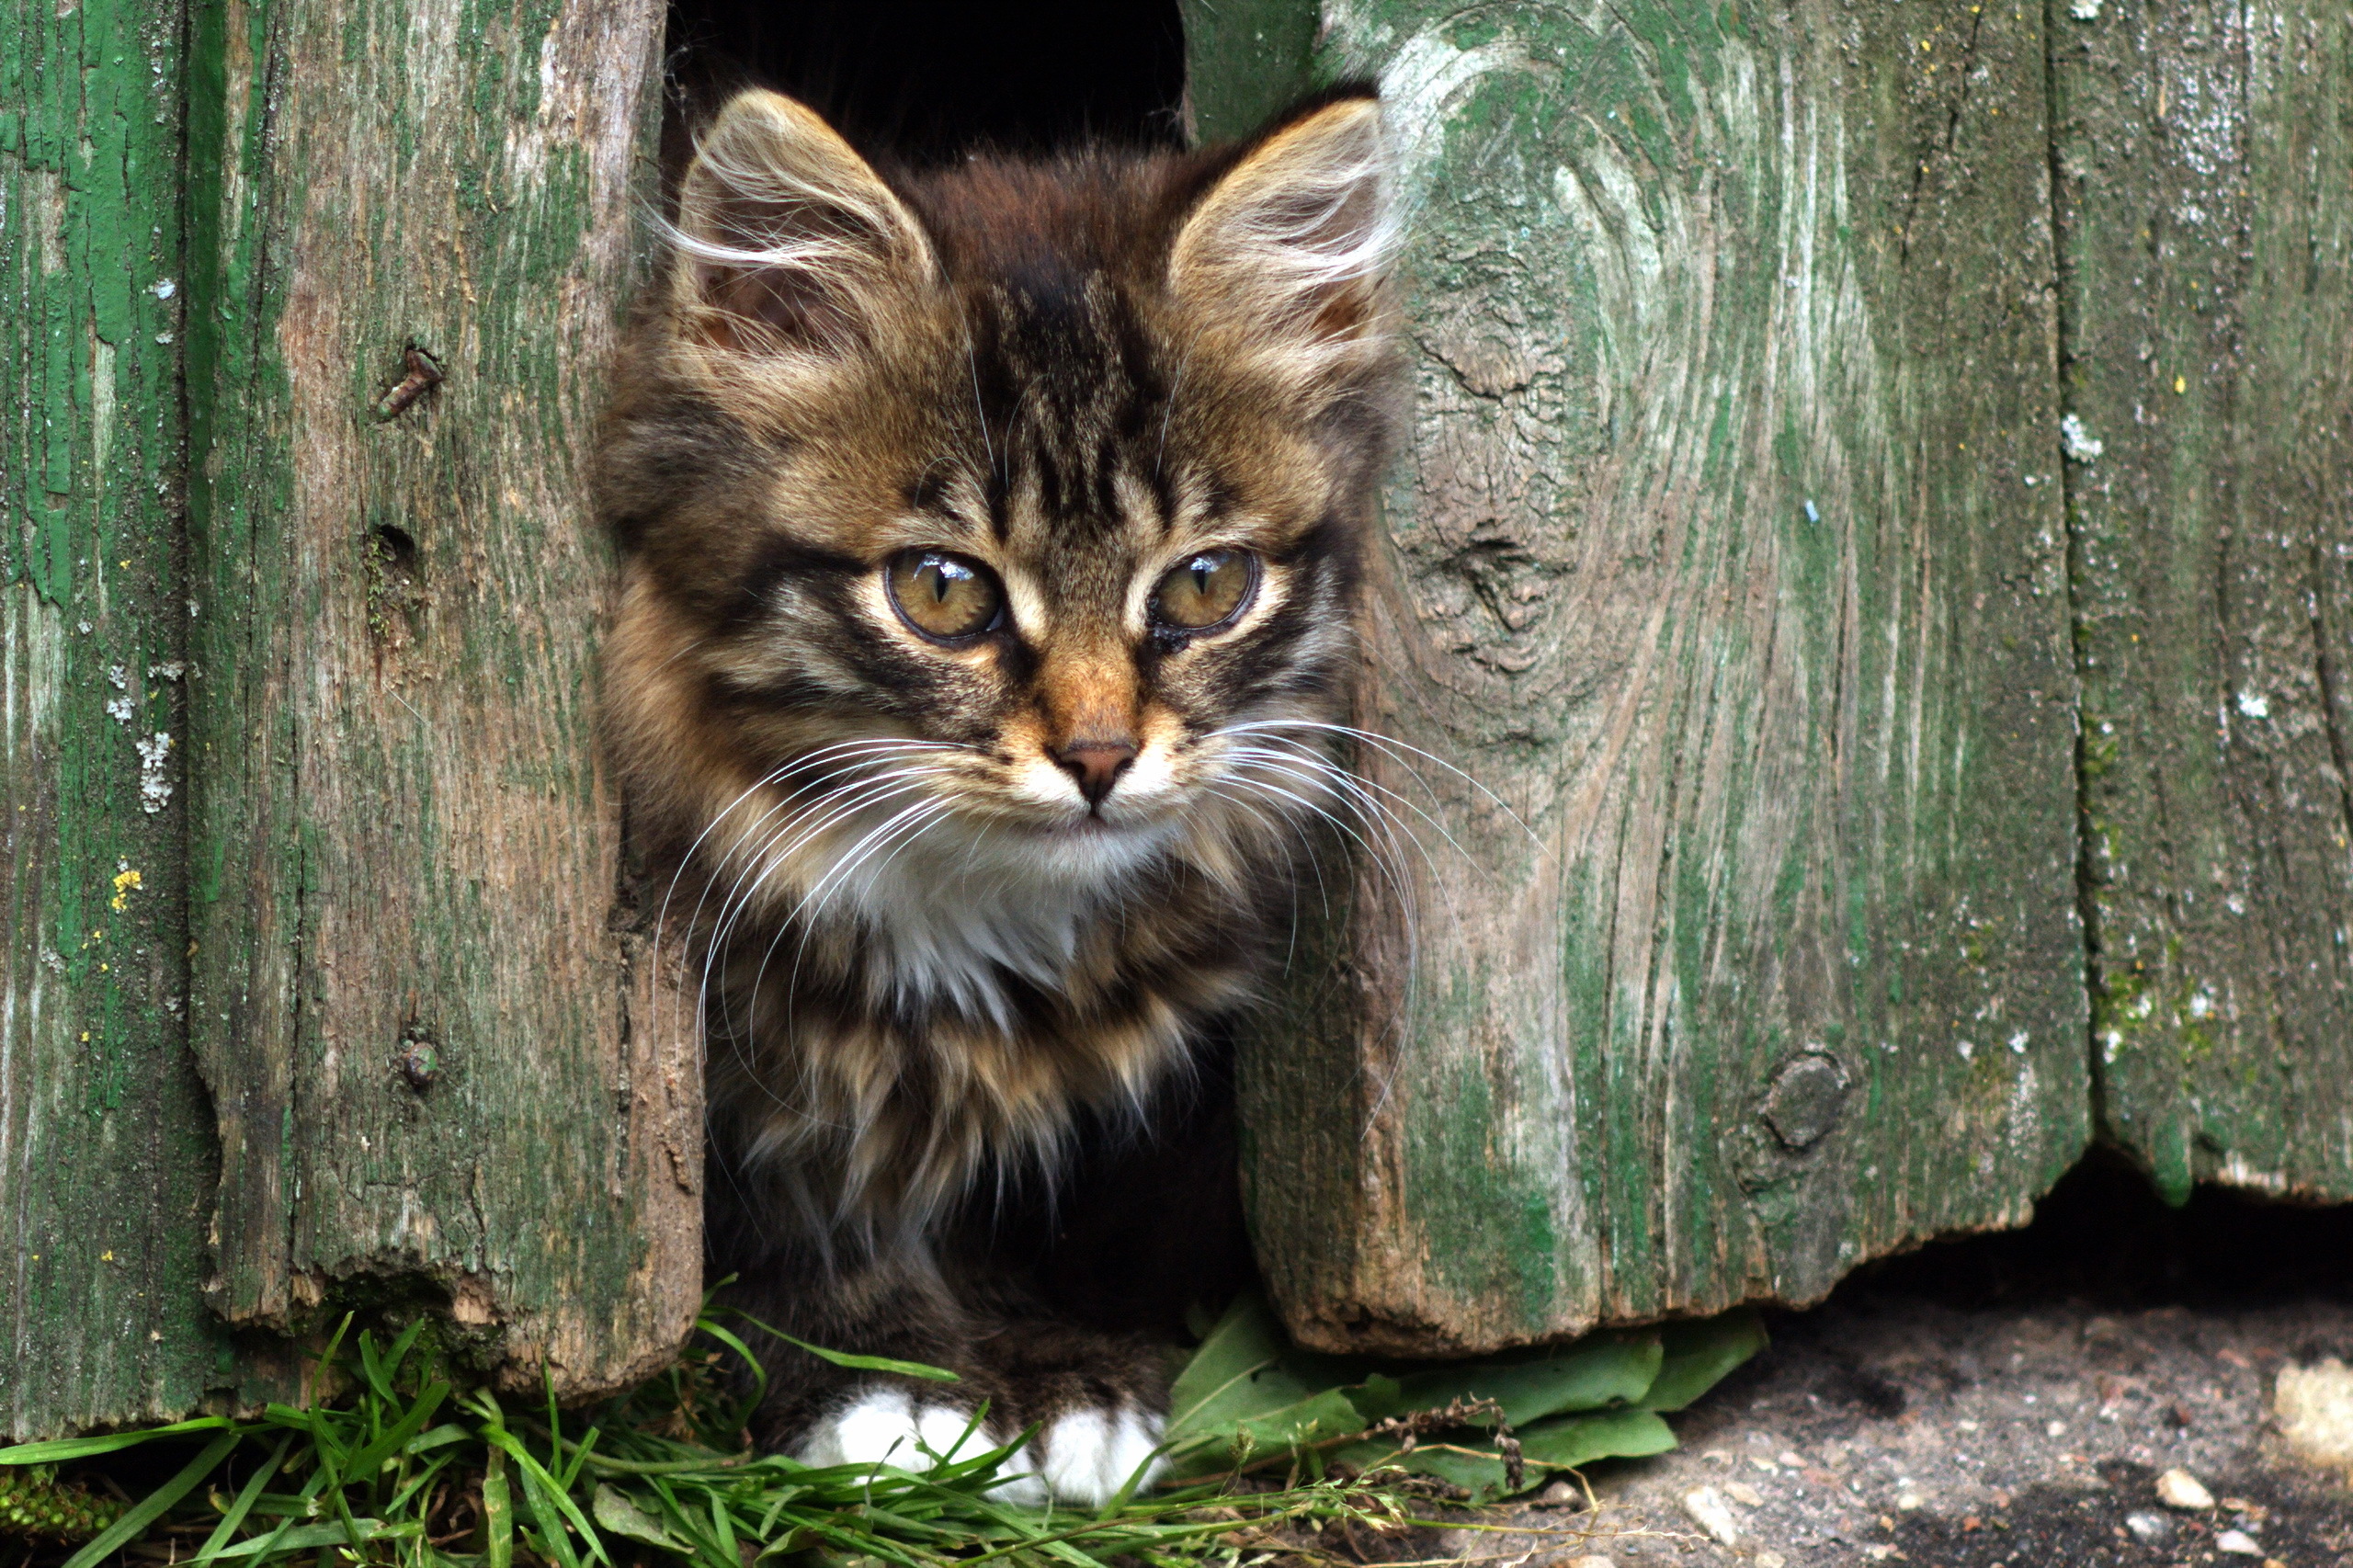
1705 1507
1792 1460
2055 1429
1879 1553
1741 1492
1592 1559
1908 1502
1560 1492
1771 1560
2238 1543
2148 1526
2176 1488
2314 1406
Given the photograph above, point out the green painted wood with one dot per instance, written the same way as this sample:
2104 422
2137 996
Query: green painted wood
1248 59
105 1157
1729 553
2205 153
431 1044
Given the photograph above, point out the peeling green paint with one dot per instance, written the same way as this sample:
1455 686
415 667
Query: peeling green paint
104 1135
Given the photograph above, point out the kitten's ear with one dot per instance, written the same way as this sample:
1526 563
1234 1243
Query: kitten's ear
790 243
1285 258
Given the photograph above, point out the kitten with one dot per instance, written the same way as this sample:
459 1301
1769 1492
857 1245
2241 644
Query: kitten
989 544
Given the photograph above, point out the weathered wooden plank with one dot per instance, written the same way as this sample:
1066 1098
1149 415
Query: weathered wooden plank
2206 211
1729 553
104 1144
1247 59
427 1039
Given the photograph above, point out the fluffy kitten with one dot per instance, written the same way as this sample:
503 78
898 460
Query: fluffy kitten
989 542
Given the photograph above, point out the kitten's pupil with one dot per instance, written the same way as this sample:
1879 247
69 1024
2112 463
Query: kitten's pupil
1206 591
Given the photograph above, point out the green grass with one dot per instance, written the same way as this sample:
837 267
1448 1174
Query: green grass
403 1466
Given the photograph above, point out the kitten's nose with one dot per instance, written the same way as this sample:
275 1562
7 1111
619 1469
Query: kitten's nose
1096 763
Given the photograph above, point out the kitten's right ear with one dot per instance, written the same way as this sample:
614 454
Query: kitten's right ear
790 242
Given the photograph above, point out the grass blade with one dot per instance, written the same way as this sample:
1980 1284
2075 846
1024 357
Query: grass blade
59 1450
242 1503
497 1512
133 1525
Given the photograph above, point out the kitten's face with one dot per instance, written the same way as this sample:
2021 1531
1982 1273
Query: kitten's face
1014 509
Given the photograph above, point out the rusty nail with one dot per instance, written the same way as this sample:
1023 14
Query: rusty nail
423 375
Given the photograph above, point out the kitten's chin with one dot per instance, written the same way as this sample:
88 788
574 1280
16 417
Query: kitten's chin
1100 845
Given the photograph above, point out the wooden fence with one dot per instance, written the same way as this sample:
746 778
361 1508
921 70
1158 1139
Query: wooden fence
1877 530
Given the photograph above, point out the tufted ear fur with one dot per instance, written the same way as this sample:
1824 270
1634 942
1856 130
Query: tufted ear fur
790 242
1284 259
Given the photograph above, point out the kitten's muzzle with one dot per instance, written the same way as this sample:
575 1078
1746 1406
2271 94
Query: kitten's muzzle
1097 762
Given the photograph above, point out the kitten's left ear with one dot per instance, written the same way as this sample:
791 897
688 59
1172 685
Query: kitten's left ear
1285 259
790 242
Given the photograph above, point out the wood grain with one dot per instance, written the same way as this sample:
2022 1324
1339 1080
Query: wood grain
414 996
1729 555
105 1152
2205 153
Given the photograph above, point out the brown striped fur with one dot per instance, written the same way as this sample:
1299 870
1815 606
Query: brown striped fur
941 965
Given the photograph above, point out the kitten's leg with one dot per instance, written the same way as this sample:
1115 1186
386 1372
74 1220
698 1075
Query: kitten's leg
1086 1286
1098 1401
892 1307
1095 1399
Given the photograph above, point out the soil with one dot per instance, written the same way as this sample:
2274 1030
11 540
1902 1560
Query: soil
2006 1402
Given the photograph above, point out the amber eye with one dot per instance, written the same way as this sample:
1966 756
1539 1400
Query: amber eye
945 596
1208 590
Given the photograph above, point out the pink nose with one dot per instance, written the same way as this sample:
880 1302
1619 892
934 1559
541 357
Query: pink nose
1096 765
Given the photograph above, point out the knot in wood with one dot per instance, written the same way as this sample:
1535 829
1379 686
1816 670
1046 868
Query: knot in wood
1804 1099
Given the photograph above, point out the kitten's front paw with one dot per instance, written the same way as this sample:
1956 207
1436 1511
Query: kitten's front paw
1085 1457
887 1426
1082 1457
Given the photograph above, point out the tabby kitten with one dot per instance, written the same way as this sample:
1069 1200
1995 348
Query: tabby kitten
989 540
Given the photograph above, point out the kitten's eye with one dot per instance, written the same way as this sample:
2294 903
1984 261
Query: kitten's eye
945 596
1207 591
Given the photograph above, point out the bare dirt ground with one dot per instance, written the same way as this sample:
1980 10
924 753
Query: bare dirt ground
2006 1401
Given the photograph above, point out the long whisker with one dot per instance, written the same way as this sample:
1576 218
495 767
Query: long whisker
1364 794
1354 781
828 809
1307 850
1377 812
815 895
1388 861
807 760
1390 744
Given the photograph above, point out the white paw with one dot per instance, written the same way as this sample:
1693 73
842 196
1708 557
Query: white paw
1084 1458
886 1426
